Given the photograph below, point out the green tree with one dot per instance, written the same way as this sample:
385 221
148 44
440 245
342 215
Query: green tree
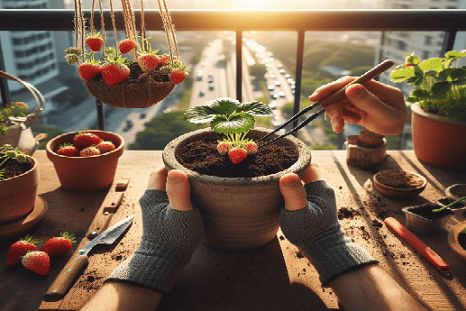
257 71
161 130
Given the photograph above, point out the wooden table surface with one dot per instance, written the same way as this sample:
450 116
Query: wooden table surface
274 277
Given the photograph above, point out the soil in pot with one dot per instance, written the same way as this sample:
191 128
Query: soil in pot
425 211
399 179
446 201
201 156
14 168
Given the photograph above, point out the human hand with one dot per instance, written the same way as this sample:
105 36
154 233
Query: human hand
376 106
310 221
172 232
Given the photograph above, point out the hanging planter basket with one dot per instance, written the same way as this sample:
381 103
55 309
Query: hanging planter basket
141 85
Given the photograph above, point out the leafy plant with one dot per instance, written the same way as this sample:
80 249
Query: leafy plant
440 87
228 117
449 205
10 153
18 109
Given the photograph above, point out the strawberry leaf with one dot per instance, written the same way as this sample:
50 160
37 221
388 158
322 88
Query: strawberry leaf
237 123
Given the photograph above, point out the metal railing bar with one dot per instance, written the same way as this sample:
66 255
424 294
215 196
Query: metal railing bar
239 65
448 42
299 73
267 20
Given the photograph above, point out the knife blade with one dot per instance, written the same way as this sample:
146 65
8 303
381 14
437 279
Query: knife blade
71 270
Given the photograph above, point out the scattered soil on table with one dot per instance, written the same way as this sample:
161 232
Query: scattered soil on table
201 156
347 213
425 211
14 168
399 179
462 240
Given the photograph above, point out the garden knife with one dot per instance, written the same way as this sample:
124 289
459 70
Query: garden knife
63 281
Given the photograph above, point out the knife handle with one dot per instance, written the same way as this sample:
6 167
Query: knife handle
66 277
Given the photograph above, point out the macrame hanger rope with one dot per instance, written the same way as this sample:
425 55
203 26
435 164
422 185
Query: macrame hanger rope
169 28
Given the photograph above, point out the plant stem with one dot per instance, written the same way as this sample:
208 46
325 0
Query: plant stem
449 205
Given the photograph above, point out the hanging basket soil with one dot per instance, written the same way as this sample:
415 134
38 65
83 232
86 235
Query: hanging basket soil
239 212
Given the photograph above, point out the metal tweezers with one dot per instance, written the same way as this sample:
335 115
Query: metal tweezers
333 97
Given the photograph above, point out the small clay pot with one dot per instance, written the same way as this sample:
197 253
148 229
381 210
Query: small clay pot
421 219
239 213
454 239
18 194
456 192
399 183
84 174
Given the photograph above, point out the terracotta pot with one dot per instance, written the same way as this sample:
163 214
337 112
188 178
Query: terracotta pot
18 194
437 140
453 239
83 174
239 213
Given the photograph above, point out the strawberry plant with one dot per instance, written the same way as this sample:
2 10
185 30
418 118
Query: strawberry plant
8 152
232 119
18 109
439 87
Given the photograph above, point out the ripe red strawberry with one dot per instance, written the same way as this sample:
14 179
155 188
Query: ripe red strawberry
57 246
105 146
165 60
89 151
95 42
148 62
114 73
223 147
86 139
37 261
251 147
127 45
68 150
178 75
237 155
87 71
19 248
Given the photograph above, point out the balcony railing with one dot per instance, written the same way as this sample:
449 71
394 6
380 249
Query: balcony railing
298 21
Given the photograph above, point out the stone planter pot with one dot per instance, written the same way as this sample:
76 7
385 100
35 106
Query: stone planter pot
18 194
428 224
437 140
239 213
84 174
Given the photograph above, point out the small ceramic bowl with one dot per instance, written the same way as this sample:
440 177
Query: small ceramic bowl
391 183
453 239
456 192
424 225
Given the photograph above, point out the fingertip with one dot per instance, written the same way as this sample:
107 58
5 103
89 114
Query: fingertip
178 191
293 192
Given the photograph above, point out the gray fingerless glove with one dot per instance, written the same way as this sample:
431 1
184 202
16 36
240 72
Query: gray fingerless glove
316 231
169 239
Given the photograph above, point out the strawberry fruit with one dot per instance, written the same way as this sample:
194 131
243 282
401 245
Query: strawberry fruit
68 150
148 62
251 147
178 75
105 146
57 246
89 151
114 73
19 248
237 155
37 261
126 45
87 71
86 139
223 147
166 60
94 42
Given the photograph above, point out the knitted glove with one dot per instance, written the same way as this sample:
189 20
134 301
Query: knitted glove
316 231
169 239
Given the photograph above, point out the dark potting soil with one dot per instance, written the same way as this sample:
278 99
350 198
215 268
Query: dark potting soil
446 201
426 212
202 156
462 240
399 179
14 168
137 75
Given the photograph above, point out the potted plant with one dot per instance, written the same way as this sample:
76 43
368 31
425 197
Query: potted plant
237 192
131 74
457 239
19 179
438 108
85 161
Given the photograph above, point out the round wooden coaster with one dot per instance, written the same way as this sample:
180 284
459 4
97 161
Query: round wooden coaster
19 226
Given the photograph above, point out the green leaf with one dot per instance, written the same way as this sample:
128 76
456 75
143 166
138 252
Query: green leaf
440 88
432 64
237 123
402 75
255 108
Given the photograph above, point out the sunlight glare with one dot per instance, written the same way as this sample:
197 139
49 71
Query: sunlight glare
255 2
